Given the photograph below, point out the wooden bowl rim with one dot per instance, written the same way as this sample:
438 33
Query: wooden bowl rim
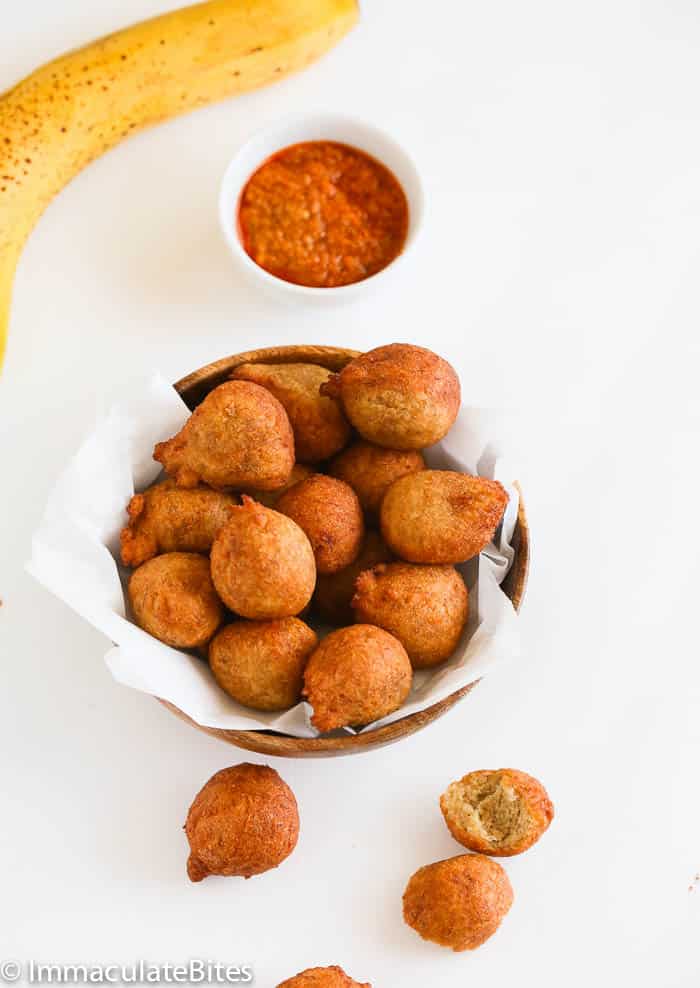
192 388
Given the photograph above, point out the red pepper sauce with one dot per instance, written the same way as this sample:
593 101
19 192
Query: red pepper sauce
322 214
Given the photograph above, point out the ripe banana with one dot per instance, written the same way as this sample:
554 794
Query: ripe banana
71 110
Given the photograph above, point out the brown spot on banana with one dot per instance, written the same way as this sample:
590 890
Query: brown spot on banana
139 77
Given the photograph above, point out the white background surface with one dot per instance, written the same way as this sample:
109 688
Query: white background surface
560 149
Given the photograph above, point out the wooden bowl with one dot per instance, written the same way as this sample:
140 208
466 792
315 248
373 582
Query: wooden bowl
193 389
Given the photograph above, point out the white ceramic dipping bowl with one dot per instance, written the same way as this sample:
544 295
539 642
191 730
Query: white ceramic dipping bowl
316 127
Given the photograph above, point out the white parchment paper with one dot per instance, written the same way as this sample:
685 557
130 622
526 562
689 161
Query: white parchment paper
75 553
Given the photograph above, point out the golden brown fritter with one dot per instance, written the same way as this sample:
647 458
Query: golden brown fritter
400 396
425 607
173 599
261 663
238 437
168 518
440 516
323 977
355 676
270 498
459 902
334 591
262 564
371 470
329 512
319 426
243 822
500 812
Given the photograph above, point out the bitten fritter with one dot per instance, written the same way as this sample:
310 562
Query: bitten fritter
500 812
239 437
270 498
323 977
400 396
371 470
441 516
355 676
168 518
459 902
173 599
243 822
425 607
334 591
319 426
262 563
329 512
261 663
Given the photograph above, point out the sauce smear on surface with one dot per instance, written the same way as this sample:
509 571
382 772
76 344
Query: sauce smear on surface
322 214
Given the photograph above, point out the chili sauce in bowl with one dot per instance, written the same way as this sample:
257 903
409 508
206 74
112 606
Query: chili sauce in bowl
320 206
322 214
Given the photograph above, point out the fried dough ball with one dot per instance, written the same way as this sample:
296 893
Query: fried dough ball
441 516
243 822
168 518
323 977
371 470
270 498
459 902
425 607
400 396
261 663
500 812
173 599
334 591
238 437
329 512
262 564
319 426
355 676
